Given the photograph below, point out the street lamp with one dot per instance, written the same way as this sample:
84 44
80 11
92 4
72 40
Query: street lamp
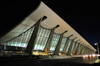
97 47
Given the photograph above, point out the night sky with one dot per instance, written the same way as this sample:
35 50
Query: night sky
84 17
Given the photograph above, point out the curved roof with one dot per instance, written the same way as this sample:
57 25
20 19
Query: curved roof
52 20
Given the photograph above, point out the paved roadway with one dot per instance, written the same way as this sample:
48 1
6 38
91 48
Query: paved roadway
70 61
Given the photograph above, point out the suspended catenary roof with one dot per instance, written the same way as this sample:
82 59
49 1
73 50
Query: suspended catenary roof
52 20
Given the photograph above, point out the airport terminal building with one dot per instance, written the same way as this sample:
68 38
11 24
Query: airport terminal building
43 32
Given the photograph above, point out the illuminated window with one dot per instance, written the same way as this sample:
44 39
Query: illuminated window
73 46
54 41
68 45
63 43
42 38
22 39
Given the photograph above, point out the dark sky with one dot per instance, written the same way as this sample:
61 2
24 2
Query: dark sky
84 17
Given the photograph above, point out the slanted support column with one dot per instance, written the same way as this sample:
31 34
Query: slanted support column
32 40
85 50
88 51
71 46
66 45
82 50
75 46
56 52
79 48
76 49
48 45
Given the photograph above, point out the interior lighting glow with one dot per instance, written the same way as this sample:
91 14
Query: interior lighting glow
84 57
93 55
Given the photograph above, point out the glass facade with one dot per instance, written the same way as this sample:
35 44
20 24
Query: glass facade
63 43
21 40
68 45
54 41
42 38
73 46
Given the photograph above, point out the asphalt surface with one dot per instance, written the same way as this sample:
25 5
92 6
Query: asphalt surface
76 61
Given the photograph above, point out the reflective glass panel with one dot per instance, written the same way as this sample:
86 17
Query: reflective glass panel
63 43
42 38
54 41
68 45
22 39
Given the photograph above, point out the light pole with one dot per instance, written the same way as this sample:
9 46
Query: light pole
97 47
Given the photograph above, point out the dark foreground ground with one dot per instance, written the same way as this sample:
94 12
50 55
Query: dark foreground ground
74 61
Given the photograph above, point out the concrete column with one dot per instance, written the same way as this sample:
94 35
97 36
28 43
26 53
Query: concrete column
88 51
85 51
82 50
79 48
75 46
57 49
66 45
32 40
48 45
71 46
